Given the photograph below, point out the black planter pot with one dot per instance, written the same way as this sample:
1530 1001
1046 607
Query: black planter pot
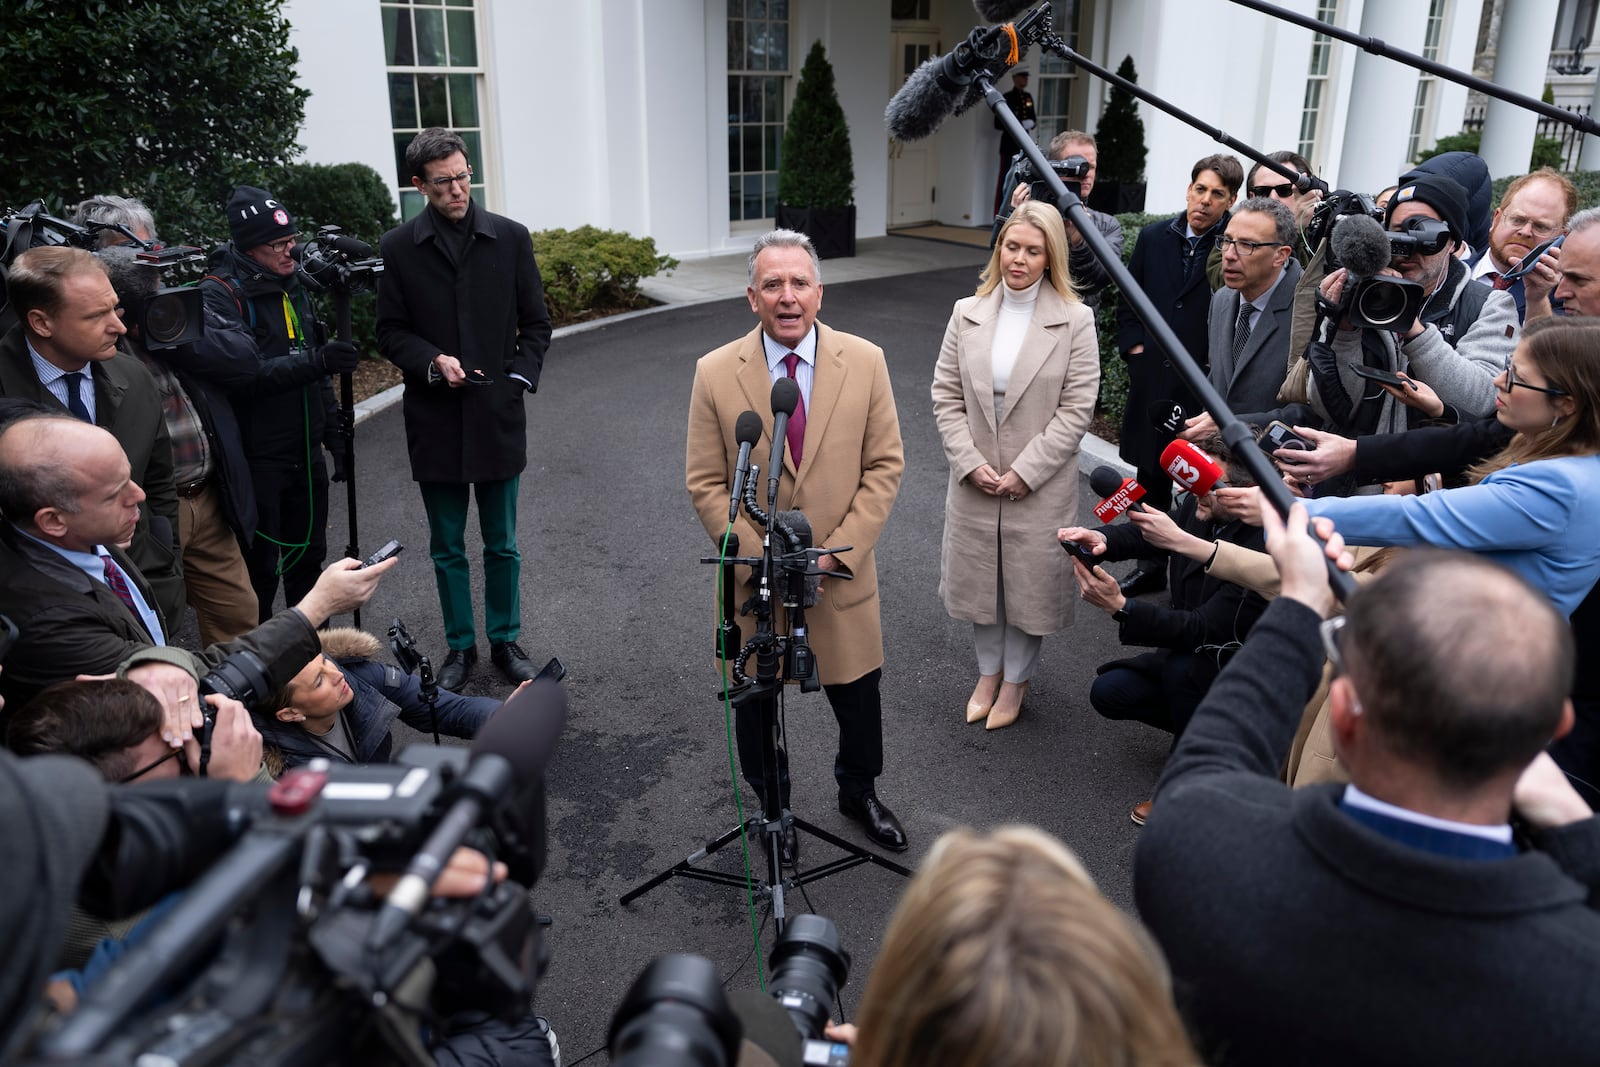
832 230
1117 198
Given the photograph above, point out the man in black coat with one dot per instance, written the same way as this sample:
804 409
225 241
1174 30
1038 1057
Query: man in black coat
461 312
1402 902
280 392
1168 262
1020 101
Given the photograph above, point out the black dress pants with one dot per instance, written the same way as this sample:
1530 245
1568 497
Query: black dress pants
293 511
859 711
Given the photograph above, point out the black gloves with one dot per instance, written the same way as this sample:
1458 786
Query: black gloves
340 357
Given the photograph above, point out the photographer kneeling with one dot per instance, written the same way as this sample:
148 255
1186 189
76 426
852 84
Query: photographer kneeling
1002 950
343 702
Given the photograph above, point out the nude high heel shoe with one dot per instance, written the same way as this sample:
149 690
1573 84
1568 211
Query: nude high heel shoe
982 698
1007 705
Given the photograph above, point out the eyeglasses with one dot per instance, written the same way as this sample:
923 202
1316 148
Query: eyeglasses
1243 247
147 768
1286 190
441 184
1332 631
1540 228
1510 373
280 247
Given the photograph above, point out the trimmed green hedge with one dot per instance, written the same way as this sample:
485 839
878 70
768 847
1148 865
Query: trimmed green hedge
589 272
1113 370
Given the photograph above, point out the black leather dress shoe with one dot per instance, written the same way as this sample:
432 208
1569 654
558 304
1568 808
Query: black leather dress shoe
513 662
878 821
455 669
1139 582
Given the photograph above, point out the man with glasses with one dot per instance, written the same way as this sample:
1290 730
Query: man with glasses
1535 208
1248 328
283 396
1450 678
461 312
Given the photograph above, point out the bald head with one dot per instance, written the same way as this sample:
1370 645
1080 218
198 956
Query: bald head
1462 668
67 482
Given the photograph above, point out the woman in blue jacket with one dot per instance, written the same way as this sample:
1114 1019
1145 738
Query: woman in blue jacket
342 704
1535 507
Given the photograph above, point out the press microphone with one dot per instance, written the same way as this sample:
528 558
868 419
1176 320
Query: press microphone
944 86
1168 417
747 431
1117 494
350 246
1192 469
508 755
1360 245
785 398
1001 10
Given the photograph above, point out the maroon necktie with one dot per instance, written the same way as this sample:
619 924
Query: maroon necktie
119 586
797 422
1501 282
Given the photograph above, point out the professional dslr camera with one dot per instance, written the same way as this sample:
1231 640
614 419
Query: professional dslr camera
676 1014
334 262
1071 171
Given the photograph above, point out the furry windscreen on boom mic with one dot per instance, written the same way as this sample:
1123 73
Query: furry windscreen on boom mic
947 85
1360 243
1001 10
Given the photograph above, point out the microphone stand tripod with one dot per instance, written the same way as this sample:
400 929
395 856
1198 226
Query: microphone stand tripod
779 658
1036 28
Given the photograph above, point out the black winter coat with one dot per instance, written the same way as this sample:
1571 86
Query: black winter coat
490 314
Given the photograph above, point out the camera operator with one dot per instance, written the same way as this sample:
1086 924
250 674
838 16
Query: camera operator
83 607
1003 951
1089 276
1456 345
282 395
216 501
342 703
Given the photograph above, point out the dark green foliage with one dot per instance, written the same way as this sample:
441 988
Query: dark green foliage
1113 370
1120 135
815 170
1546 150
172 101
590 272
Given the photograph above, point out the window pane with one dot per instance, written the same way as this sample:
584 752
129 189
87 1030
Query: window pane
751 112
772 97
755 9
430 38
433 105
753 197
773 138
474 141
752 148
735 45
402 100
735 8
778 9
402 176
397 37
411 204
769 208
457 3
755 46
734 204
733 149
778 46
463 100
463 39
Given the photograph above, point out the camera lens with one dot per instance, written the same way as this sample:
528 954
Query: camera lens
675 1015
242 677
1381 305
808 967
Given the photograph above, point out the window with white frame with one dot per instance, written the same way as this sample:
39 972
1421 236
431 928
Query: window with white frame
433 56
758 82
1427 84
1058 79
1319 88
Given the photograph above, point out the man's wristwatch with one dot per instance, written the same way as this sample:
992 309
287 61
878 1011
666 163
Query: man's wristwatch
1120 616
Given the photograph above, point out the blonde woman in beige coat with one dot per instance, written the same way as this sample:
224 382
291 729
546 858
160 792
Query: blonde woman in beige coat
1012 393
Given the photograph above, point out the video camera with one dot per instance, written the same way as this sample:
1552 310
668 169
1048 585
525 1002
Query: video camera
676 1012
285 952
1071 171
1419 236
332 261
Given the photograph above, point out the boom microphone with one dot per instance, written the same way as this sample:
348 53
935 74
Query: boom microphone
508 755
1360 244
350 246
785 398
943 86
1192 469
746 431
1001 10
1117 494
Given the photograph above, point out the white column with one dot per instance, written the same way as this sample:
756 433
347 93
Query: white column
1589 155
1383 93
1520 62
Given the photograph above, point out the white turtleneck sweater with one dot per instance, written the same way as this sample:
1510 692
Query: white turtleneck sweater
1016 311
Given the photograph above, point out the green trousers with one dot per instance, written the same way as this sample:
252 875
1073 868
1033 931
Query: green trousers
446 505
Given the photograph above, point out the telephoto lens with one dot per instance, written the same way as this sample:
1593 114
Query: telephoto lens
808 968
675 1015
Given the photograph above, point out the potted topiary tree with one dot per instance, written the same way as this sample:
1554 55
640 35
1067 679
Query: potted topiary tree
815 175
1119 185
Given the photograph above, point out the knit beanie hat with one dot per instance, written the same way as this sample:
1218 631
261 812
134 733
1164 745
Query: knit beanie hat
255 218
1443 194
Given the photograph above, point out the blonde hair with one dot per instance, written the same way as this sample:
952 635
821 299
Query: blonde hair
1563 348
1003 952
1048 220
